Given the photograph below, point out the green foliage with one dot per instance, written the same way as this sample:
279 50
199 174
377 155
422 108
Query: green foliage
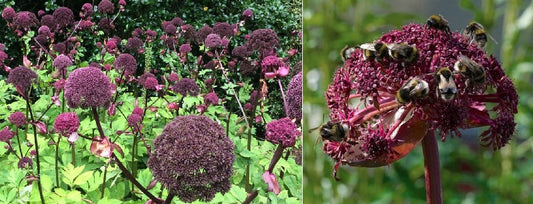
85 177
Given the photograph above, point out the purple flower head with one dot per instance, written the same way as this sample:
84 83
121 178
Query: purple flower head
150 83
186 86
241 52
248 68
176 21
134 120
44 30
9 13
264 41
282 131
105 6
61 62
247 14
106 25
60 48
126 63
401 99
22 78
25 162
151 33
6 134
202 34
173 77
273 67
294 97
142 78
170 29
189 32
211 98
64 17
138 111
60 84
41 41
17 118
213 41
197 149
40 13
223 29
87 87
134 44
25 20
66 124
185 48
86 10
138 32
50 21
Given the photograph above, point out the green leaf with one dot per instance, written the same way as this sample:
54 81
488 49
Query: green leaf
246 154
83 178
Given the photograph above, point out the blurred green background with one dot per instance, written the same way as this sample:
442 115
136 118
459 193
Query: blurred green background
470 173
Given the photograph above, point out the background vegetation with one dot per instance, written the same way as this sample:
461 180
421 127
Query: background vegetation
470 174
81 173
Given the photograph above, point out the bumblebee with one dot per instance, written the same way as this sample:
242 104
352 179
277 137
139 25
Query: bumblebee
446 88
346 53
403 52
474 72
374 51
438 22
334 131
414 88
476 32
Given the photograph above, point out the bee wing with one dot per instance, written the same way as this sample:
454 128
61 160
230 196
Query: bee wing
368 46
491 38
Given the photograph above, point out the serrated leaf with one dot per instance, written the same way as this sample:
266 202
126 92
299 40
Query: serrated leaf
83 178
246 154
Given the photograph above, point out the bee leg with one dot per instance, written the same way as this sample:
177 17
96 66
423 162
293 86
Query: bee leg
335 171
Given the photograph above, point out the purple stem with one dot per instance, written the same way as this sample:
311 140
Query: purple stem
283 96
432 168
250 197
276 157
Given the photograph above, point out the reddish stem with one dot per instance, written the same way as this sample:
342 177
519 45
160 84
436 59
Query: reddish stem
250 197
432 168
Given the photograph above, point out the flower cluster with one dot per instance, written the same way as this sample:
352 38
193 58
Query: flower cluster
294 97
265 41
18 118
186 86
388 104
22 78
273 67
282 131
87 87
66 123
126 63
193 158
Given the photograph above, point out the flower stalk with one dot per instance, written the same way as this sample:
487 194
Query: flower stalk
432 168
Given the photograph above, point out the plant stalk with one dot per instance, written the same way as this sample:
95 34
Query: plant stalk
284 100
432 168
36 148
56 162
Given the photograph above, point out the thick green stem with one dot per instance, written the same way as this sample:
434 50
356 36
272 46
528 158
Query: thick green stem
432 168
57 161
247 175
169 198
18 141
284 100
73 154
36 149
103 181
134 181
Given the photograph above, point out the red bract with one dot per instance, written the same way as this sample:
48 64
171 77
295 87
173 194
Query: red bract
381 130
101 146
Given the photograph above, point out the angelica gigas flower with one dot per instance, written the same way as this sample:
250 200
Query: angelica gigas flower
381 128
